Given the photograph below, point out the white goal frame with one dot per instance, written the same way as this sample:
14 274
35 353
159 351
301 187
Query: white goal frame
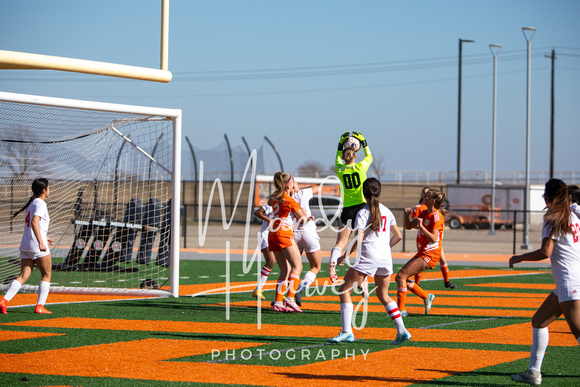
176 116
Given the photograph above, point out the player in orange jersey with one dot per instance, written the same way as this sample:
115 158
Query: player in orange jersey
430 223
281 239
442 262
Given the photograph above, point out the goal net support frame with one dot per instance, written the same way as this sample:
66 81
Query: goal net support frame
115 139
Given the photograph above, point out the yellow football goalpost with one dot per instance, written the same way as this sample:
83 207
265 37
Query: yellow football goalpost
20 60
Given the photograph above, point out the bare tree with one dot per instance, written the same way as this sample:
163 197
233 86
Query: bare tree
17 151
311 169
377 165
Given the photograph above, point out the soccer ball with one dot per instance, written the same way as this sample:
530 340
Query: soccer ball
352 142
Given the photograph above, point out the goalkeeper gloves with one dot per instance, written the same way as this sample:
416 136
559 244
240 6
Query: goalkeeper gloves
361 138
343 138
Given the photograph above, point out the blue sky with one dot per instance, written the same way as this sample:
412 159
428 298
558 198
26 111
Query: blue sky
303 72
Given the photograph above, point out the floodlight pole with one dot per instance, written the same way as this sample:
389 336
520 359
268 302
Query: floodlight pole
458 177
494 48
526 245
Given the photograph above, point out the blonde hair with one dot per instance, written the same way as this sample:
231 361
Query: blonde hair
281 181
439 198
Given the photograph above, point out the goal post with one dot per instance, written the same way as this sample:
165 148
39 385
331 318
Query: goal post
114 172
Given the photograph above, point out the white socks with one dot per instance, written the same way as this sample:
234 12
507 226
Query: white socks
43 289
393 310
263 277
12 290
335 254
309 278
346 317
539 345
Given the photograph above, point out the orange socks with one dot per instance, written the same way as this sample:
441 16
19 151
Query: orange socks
418 278
415 289
280 290
294 283
401 297
445 272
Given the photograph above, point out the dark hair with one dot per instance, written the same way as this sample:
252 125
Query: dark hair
574 191
558 207
38 187
371 192
439 198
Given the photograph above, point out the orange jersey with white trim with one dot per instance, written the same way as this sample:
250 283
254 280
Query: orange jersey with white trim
434 222
281 210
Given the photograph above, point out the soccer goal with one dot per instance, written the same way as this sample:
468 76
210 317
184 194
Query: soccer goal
114 174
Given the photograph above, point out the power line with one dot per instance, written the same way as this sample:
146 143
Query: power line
308 71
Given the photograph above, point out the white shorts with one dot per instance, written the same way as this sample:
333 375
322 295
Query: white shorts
568 292
264 240
373 268
307 240
34 254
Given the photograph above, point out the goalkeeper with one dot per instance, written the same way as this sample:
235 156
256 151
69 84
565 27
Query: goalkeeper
352 176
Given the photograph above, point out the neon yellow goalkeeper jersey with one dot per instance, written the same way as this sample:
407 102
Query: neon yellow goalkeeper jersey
352 177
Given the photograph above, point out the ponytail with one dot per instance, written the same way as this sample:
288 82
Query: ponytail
558 207
371 192
439 198
38 187
25 206
281 180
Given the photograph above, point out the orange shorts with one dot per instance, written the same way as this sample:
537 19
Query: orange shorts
279 242
431 261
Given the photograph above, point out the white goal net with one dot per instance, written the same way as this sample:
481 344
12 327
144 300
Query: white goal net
114 175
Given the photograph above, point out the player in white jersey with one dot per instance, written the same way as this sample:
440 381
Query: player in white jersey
34 247
307 239
377 232
560 243
264 213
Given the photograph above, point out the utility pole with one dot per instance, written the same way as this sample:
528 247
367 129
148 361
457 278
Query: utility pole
553 57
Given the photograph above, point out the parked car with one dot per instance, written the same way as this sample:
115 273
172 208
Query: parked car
330 205
476 216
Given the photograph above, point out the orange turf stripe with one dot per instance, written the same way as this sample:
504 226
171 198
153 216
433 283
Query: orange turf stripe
31 299
373 308
17 335
105 360
516 286
511 334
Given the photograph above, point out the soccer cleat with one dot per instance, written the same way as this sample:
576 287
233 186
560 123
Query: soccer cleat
298 297
450 285
258 293
3 306
41 309
342 336
404 313
532 377
364 287
282 308
428 301
401 337
290 303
